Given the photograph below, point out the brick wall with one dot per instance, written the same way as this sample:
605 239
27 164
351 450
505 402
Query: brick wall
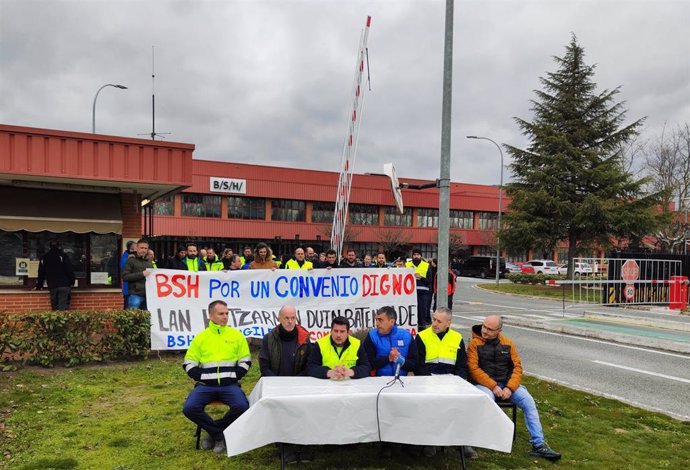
36 301
131 215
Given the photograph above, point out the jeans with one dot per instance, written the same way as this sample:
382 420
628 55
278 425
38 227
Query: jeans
60 298
523 400
423 306
136 301
201 395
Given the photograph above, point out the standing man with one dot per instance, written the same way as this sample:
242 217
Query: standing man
212 262
387 345
130 250
193 262
217 359
350 260
179 261
312 256
151 256
135 272
422 273
234 263
56 268
331 260
247 257
337 355
367 261
263 258
496 369
380 261
299 261
442 351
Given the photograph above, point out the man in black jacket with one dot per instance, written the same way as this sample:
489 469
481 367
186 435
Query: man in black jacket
56 269
135 272
285 349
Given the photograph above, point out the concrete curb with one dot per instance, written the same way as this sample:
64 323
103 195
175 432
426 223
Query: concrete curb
621 338
638 321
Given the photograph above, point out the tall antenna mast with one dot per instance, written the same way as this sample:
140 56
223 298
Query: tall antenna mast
153 133
350 148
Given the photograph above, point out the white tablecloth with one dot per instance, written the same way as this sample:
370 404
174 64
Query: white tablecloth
437 410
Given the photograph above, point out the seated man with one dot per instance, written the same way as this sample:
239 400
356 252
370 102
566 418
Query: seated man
285 349
337 355
495 368
387 345
442 351
217 359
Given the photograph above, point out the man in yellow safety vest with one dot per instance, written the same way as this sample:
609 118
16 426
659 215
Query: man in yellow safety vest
337 355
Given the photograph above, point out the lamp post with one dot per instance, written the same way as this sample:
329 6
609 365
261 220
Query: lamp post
685 200
500 206
93 112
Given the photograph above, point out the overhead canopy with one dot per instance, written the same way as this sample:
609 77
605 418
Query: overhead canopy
37 210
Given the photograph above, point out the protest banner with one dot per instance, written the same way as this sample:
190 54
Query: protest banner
178 300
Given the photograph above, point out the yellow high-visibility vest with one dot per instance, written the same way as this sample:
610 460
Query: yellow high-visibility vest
444 351
329 355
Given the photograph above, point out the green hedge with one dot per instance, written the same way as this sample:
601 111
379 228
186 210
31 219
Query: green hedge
73 337
532 278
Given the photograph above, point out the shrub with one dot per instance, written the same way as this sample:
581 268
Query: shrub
73 337
517 278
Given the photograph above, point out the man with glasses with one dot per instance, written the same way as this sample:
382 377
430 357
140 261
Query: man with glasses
495 368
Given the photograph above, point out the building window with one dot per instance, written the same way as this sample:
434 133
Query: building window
427 217
488 220
287 210
363 214
322 212
461 219
105 258
11 248
392 217
164 206
200 205
485 250
246 208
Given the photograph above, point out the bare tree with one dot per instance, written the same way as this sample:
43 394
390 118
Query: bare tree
394 240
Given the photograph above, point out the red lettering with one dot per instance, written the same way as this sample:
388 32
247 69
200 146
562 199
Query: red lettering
409 284
193 286
397 284
385 286
366 285
162 287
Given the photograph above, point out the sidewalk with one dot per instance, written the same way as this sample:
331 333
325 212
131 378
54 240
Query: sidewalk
657 328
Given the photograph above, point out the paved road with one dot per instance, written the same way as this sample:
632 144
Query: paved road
651 379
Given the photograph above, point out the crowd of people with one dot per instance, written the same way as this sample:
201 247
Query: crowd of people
219 357
138 258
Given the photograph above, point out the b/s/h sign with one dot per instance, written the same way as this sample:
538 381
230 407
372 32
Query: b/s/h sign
227 185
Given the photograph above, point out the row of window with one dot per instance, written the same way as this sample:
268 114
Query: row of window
204 205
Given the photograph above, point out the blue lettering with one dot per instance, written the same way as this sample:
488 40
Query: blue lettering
281 293
354 286
214 284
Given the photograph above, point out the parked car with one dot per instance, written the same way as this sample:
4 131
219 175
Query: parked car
513 268
579 269
544 266
482 266
525 267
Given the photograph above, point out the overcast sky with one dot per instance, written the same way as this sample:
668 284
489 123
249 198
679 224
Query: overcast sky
269 82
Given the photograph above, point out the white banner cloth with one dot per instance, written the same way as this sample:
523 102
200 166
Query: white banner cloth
178 300
440 410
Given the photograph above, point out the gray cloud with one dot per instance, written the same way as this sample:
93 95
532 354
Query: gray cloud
269 82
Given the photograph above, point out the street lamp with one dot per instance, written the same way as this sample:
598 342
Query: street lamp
500 206
93 112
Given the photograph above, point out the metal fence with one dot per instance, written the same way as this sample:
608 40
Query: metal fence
625 281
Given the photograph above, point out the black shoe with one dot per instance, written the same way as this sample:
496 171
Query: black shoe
544 452
468 452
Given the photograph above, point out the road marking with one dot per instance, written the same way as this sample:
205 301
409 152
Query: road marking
641 371
610 395
581 338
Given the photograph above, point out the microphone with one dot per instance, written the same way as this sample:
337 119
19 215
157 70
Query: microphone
399 361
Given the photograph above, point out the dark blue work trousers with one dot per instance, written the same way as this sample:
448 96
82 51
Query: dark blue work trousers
202 395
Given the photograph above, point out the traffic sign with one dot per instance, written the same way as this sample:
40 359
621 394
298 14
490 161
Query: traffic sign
630 271
629 292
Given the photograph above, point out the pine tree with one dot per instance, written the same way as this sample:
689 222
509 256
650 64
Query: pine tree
570 183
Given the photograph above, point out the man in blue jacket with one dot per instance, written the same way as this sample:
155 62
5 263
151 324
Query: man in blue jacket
387 345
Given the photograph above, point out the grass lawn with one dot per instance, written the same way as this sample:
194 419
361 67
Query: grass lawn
534 290
128 416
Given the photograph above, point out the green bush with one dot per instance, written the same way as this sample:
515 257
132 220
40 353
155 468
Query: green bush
532 278
73 337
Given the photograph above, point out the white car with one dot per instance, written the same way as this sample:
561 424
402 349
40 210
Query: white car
580 269
544 266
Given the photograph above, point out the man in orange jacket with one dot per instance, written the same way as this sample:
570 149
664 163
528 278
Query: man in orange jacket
495 368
